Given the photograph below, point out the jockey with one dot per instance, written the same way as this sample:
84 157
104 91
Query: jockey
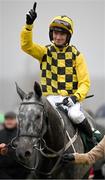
64 73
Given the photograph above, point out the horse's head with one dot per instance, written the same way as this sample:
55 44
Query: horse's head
32 122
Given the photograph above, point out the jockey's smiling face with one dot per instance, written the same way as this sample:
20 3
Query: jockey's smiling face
59 38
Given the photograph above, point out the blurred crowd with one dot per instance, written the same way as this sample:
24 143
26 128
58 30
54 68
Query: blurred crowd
9 166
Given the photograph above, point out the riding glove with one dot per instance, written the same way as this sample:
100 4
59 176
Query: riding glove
70 101
31 15
67 158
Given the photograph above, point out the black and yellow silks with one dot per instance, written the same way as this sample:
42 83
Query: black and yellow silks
62 72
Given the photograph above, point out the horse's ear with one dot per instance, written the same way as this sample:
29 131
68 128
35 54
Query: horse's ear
20 92
37 89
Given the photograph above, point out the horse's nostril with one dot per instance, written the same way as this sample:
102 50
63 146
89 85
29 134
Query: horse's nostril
27 154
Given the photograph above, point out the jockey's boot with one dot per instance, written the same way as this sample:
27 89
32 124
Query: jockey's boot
85 127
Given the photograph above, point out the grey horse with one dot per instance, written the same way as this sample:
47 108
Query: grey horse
44 135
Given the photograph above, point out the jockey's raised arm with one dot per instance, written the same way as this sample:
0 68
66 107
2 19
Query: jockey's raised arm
27 44
30 47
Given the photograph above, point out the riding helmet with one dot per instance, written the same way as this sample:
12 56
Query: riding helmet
62 24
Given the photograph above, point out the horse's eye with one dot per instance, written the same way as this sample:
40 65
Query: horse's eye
38 116
21 116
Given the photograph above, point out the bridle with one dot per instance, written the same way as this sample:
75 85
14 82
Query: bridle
40 146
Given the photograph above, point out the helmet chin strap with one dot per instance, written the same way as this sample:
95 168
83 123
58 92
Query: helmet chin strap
60 46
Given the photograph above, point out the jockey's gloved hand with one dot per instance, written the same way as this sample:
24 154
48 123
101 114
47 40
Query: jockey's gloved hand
67 158
70 101
31 15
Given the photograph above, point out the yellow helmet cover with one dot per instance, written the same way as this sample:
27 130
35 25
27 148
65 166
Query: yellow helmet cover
63 22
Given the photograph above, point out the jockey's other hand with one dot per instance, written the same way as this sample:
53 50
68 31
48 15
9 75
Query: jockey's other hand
70 101
67 158
3 149
31 15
